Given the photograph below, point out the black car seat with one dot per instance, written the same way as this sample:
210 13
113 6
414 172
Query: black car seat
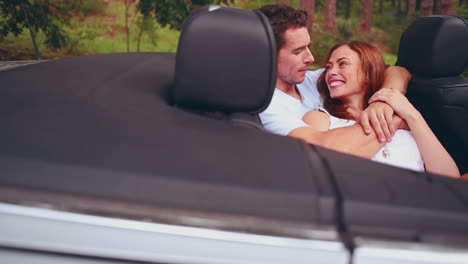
122 127
361 198
226 64
435 50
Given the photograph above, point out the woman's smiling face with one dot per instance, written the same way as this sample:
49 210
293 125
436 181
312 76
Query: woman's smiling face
344 76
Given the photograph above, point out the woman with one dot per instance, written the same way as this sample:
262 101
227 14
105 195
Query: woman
353 73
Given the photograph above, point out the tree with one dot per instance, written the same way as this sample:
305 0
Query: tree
426 8
173 12
127 30
36 16
447 7
348 9
284 2
411 7
330 15
309 6
399 8
366 15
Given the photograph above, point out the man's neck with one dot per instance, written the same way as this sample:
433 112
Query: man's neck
290 89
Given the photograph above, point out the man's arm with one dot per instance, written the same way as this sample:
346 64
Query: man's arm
397 77
378 117
350 140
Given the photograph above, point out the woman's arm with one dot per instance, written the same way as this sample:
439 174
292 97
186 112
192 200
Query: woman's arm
436 158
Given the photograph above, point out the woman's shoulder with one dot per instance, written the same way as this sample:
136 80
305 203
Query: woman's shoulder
318 120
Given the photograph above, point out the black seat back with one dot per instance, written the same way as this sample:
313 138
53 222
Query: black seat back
435 50
226 64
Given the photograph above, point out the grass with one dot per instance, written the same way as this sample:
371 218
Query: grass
103 32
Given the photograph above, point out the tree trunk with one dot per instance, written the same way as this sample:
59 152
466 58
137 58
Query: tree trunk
380 6
436 7
348 9
330 15
426 8
31 31
285 2
366 15
411 7
127 31
140 33
309 6
399 7
447 7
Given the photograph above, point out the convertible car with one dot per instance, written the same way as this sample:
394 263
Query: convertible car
161 158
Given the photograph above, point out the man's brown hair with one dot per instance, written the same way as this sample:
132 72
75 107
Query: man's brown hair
282 17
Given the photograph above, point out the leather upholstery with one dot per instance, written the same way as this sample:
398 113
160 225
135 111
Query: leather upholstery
226 61
435 50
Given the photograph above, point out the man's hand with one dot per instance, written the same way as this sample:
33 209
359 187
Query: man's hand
379 117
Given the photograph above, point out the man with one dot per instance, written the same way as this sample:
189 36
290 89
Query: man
296 92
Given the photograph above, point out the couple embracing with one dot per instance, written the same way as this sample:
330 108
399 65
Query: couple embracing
354 105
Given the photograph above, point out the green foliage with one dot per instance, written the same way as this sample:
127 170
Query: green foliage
42 16
253 4
389 58
83 7
322 40
56 37
465 74
463 10
172 13
104 31
393 26
78 37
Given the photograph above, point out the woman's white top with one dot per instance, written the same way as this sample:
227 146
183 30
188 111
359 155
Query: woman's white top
402 151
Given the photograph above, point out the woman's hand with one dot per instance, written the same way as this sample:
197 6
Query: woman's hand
400 104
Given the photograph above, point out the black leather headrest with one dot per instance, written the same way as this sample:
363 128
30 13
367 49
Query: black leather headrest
435 46
226 61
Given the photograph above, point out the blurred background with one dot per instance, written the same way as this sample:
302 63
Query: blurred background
54 29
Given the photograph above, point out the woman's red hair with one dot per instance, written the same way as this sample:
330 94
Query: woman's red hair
372 67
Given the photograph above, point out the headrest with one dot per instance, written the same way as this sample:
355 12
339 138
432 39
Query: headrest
435 46
226 61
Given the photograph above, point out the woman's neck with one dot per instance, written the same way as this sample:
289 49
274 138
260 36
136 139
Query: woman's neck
355 107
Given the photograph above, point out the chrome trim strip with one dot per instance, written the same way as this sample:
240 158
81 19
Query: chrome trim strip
409 255
64 232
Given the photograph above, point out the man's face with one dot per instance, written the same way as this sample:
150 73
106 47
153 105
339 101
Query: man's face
294 57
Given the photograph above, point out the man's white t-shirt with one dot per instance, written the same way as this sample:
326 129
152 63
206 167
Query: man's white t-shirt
284 114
